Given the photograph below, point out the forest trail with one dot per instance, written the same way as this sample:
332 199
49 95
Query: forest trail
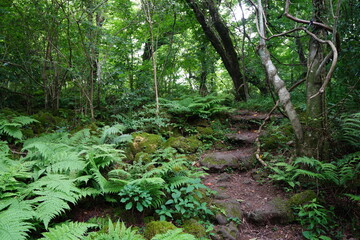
249 201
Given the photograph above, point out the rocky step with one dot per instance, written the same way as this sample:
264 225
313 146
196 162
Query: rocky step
245 204
250 117
239 159
243 136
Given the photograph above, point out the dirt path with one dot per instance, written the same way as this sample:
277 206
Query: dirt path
248 204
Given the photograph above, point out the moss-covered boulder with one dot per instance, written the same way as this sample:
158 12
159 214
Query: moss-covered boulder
183 144
276 211
205 131
280 210
144 142
46 121
228 211
237 159
157 227
194 227
301 198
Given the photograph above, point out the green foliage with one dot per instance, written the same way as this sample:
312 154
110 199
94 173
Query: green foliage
351 129
145 119
14 219
316 170
203 107
174 234
52 195
68 231
157 227
316 219
142 193
184 202
11 126
115 231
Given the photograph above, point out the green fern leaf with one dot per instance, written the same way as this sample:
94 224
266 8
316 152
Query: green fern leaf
12 129
24 120
68 231
116 231
174 234
14 223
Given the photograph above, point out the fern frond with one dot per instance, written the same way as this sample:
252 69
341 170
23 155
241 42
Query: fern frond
24 120
80 137
68 231
353 197
174 234
312 162
51 204
14 223
116 231
179 181
307 173
111 132
53 193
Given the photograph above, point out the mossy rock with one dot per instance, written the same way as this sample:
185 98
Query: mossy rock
206 131
301 198
228 210
194 227
46 121
144 142
183 144
157 227
277 211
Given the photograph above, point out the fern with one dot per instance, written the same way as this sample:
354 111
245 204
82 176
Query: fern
53 193
12 126
14 220
109 133
351 129
68 231
174 234
117 231
353 197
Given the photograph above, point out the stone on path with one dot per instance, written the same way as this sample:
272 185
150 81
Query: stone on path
241 159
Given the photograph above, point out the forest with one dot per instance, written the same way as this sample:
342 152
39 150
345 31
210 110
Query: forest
179 119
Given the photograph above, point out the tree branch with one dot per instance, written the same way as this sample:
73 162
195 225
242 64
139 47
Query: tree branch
288 15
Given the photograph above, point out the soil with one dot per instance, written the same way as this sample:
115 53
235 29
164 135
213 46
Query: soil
252 195
241 186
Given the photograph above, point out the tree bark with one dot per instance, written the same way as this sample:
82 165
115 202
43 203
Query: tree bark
274 78
315 139
219 36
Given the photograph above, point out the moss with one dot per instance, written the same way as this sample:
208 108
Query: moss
157 227
211 161
183 145
301 198
284 209
145 142
205 131
195 228
46 121
192 157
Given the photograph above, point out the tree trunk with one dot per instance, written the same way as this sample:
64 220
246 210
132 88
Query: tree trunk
219 36
274 78
315 138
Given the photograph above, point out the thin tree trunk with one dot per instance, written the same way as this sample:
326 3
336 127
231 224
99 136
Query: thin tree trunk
274 78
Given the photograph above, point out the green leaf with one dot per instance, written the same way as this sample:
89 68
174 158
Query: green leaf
129 206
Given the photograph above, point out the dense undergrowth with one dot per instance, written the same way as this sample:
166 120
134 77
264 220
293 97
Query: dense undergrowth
130 162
